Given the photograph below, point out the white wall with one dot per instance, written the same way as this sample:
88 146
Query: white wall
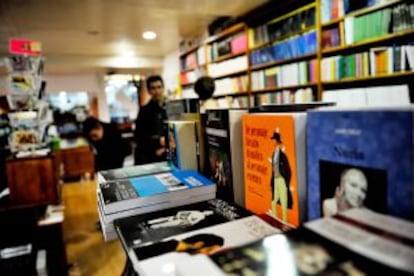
91 82
171 70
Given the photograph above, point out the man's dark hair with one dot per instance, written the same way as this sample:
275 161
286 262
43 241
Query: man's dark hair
208 239
152 79
204 87
89 124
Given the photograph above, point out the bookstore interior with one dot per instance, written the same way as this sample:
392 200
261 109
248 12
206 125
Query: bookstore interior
279 141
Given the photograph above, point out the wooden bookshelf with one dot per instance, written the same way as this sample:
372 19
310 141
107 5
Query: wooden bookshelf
226 57
362 12
187 84
188 70
281 62
399 38
233 94
370 78
290 87
189 51
285 37
232 30
239 72
292 13
367 42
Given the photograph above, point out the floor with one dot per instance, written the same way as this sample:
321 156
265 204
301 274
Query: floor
85 247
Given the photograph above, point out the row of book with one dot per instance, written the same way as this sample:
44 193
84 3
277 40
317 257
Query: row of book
378 61
231 85
394 95
273 31
189 77
298 73
331 37
382 22
285 97
290 48
229 66
334 9
230 46
193 59
202 239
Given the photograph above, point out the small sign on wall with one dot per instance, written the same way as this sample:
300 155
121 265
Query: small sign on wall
25 47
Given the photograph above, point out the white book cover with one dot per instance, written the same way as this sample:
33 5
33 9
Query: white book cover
206 241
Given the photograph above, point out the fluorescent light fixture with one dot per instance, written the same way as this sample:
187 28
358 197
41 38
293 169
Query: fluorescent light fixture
149 35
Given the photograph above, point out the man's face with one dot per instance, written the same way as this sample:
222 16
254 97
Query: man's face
96 134
355 188
156 90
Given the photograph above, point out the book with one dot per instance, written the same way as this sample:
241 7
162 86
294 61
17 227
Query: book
371 148
107 220
349 245
152 227
275 165
225 160
206 241
132 171
182 145
148 190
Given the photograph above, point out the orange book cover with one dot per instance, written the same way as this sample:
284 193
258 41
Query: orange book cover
270 166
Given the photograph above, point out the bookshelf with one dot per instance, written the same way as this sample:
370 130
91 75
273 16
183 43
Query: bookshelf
319 33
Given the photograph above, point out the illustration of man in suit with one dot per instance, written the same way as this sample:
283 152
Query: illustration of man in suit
280 180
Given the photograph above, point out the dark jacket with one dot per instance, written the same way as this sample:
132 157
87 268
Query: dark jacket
149 128
111 150
285 172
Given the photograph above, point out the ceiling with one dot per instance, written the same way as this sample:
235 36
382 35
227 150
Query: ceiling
107 33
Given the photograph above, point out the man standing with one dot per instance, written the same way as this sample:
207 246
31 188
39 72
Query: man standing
149 126
110 148
280 179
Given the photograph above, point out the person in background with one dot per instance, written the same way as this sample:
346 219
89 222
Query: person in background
110 148
204 88
149 125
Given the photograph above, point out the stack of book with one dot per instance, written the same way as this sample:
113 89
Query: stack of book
138 190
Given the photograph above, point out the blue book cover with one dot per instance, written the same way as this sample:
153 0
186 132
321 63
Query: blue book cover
115 195
360 159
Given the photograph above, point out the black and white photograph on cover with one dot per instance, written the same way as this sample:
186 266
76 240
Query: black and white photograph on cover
185 218
199 243
343 187
220 173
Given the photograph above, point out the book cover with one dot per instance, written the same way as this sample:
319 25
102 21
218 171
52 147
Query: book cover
224 143
360 158
153 189
133 171
151 227
209 239
274 165
304 252
182 145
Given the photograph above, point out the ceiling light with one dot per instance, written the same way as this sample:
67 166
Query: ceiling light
149 35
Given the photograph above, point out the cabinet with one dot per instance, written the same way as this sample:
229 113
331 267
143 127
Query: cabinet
77 162
33 180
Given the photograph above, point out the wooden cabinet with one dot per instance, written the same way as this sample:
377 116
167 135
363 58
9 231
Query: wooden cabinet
77 162
33 180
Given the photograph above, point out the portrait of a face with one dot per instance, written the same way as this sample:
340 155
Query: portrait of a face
346 186
355 187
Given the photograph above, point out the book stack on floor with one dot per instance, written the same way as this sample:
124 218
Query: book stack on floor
204 227
357 242
141 189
